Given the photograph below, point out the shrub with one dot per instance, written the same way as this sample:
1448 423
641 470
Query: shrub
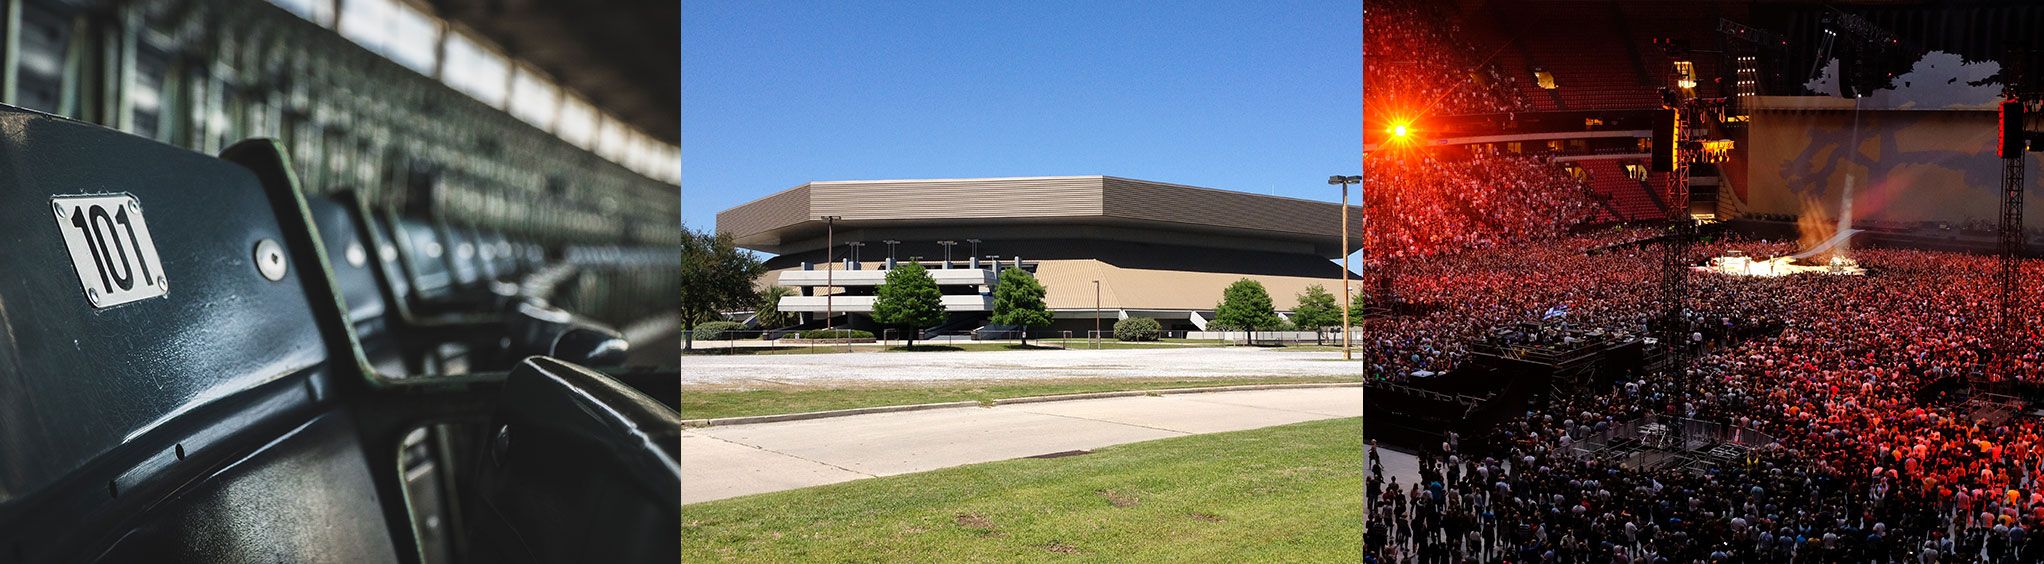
719 331
836 334
1138 329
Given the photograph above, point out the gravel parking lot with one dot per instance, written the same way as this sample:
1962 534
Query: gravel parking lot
1187 362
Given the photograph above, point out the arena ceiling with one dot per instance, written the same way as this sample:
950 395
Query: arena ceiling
623 56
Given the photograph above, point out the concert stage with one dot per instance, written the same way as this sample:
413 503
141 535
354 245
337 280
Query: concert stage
1736 263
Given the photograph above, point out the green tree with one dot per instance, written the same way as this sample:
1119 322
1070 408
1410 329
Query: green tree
909 298
1018 301
1317 310
1245 305
716 276
769 314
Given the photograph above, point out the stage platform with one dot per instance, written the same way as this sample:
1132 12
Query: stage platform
1738 264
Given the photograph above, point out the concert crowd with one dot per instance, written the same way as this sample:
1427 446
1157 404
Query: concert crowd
1421 61
1433 203
1866 463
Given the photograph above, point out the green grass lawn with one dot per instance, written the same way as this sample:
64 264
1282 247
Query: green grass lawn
714 403
1279 494
955 347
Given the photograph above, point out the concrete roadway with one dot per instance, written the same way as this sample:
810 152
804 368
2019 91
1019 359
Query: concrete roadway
731 461
1158 362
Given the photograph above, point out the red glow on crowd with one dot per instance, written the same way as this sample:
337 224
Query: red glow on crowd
1427 201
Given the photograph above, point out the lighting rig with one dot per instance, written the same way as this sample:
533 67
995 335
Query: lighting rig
2023 95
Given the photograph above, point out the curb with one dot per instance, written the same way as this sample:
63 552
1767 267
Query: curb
750 419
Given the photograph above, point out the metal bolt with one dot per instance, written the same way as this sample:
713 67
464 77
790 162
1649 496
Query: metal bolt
59 206
269 259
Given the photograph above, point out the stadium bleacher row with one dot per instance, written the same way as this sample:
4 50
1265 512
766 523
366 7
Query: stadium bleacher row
258 370
1630 200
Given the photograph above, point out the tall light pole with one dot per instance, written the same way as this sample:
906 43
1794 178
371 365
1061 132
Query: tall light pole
829 268
855 245
890 249
947 252
1346 299
975 248
1096 314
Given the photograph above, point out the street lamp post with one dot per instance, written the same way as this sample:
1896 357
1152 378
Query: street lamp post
829 269
1096 314
890 251
1346 299
947 252
855 245
975 250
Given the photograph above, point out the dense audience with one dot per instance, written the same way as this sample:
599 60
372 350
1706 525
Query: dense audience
1420 205
1424 201
1419 60
1867 463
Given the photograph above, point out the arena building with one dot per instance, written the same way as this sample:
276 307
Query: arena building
1157 250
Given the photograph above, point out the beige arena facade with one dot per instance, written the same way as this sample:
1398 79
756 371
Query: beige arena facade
1158 250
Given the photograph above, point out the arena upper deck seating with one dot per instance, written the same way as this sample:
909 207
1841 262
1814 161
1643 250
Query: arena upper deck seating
1630 198
1594 68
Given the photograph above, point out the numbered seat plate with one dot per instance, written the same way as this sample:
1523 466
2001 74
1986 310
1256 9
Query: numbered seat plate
110 248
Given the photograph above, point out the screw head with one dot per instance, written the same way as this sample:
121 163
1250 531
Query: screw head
269 259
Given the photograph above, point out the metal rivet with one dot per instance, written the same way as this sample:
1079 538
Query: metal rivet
269 259
59 207
356 256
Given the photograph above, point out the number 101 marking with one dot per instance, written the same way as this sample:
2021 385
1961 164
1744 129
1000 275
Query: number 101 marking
110 248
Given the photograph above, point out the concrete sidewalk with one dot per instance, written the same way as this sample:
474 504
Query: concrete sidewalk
724 462
1157 362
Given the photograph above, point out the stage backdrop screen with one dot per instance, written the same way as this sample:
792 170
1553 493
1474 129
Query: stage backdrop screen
1906 165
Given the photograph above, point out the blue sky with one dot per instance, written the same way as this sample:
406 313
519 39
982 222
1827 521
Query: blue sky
1261 97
